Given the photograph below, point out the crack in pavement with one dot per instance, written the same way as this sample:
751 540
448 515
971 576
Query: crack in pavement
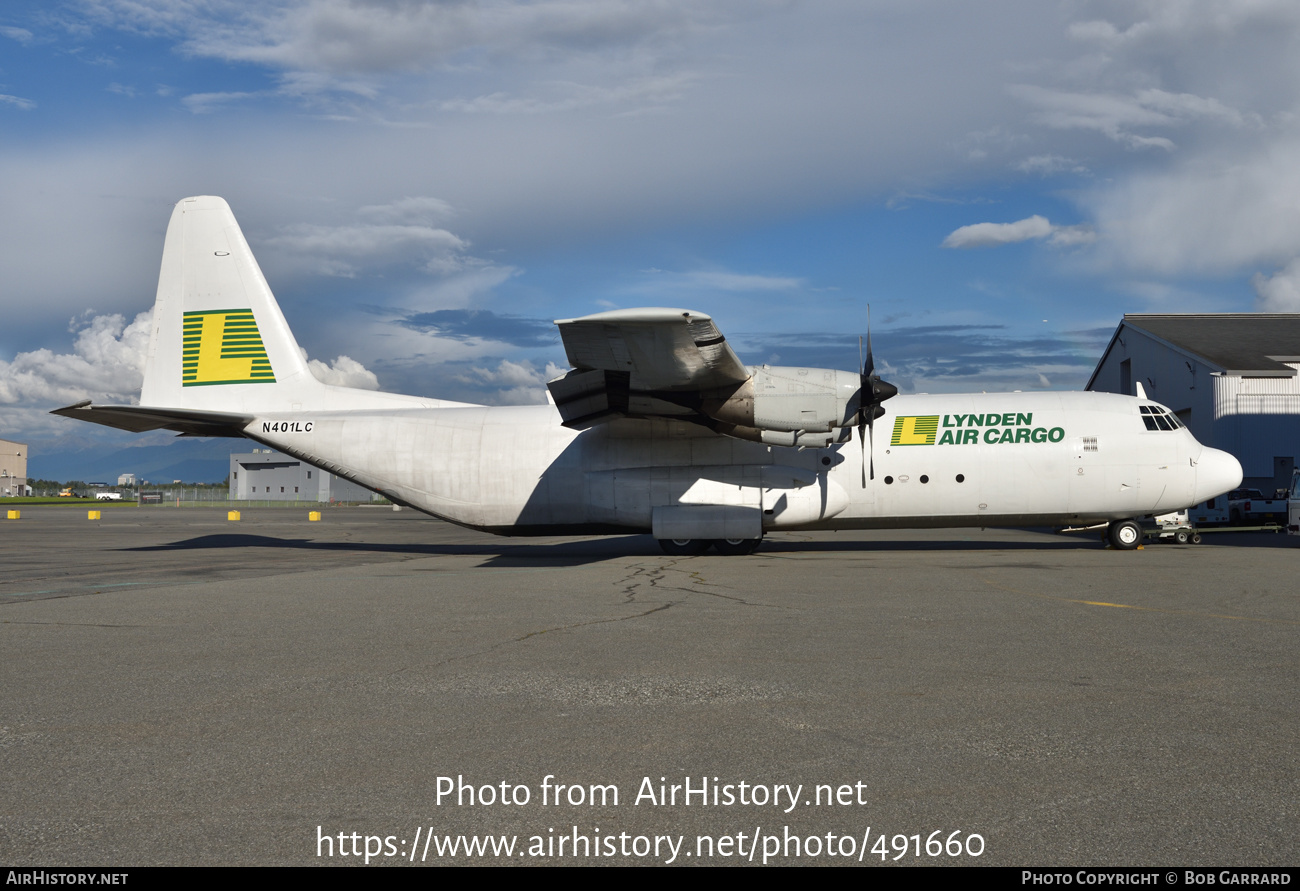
76 624
656 609
540 631
657 574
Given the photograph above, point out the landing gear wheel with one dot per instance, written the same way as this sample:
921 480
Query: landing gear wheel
1182 536
1124 535
684 547
1196 538
736 547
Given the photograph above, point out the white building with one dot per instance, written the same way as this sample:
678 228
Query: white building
13 468
1233 379
268 475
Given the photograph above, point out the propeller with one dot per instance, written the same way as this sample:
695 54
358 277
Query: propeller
872 392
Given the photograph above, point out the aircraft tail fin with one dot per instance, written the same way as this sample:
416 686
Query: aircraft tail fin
219 341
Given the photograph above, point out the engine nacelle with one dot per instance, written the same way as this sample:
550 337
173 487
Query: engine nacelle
789 400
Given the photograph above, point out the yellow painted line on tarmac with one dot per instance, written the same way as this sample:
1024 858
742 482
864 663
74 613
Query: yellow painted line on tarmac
1144 609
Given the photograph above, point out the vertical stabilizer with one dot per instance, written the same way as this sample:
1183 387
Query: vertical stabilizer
219 341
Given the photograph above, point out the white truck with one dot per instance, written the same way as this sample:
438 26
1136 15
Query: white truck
108 496
1249 506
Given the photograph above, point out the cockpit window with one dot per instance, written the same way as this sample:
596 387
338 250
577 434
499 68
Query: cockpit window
1157 417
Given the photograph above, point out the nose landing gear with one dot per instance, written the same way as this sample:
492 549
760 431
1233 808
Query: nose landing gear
1124 535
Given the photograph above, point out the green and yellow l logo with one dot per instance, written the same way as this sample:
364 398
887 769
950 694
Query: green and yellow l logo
910 430
223 346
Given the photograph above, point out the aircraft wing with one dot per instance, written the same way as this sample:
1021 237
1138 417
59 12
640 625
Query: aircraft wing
651 362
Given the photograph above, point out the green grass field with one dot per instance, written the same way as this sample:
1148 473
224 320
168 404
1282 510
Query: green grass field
54 499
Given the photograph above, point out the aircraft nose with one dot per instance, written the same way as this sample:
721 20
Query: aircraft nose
1216 472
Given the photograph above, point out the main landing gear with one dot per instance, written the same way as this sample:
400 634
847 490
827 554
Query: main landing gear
1124 535
692 547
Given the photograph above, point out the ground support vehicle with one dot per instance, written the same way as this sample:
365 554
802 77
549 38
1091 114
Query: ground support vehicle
1211 512
1173 527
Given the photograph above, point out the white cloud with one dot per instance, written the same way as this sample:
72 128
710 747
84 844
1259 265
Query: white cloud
468 287
1072 236
419 210
978 235
371 242
1100 31
511 383
1209 214
107 363
659 281
1185 106
22 35
1048 164
1185 21
344 372
401 232
993 234
733 281
205 103
553 97
1117 116
358 36
1279 292
17 102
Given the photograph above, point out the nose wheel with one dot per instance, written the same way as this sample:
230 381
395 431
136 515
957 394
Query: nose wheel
1124 535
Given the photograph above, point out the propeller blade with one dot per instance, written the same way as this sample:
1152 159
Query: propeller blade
869 367
871 428
862 441
862 401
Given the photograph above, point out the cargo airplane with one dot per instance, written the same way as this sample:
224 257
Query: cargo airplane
657 428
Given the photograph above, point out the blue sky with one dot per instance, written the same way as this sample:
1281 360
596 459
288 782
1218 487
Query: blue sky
429 185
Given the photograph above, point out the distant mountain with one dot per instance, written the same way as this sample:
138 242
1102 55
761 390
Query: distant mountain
185 459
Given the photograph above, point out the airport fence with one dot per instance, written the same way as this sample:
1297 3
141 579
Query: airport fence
190 496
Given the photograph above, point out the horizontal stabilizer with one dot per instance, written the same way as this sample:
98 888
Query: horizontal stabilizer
139 419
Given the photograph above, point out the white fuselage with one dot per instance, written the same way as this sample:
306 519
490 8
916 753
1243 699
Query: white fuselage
986 460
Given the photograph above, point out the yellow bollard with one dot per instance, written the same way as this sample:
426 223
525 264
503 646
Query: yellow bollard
92 515
314 516
232 516
15 514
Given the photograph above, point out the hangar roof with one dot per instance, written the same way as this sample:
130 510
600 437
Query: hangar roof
1240 342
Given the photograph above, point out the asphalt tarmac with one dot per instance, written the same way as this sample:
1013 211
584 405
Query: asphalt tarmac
180 689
